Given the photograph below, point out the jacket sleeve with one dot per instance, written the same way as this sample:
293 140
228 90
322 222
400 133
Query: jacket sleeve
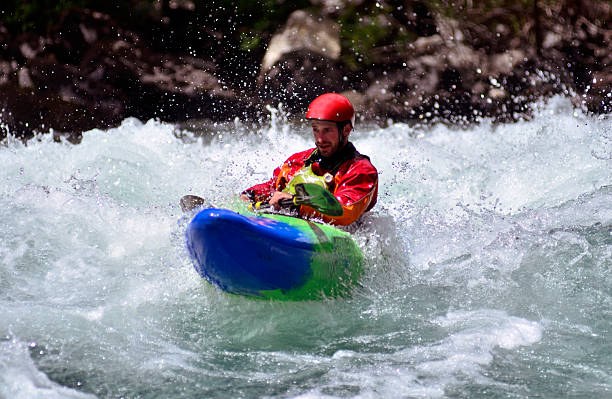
357 192
280 177
262 191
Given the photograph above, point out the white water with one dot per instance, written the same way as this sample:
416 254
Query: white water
489 267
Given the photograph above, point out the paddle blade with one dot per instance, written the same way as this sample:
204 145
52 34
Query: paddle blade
190 202
318 198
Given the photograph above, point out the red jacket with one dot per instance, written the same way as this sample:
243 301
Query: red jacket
355 182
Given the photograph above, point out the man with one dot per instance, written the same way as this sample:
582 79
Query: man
346 173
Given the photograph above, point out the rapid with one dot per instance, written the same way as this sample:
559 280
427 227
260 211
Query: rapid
488 274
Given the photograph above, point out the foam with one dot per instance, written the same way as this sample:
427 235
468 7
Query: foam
20 378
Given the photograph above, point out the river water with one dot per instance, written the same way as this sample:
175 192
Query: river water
489 260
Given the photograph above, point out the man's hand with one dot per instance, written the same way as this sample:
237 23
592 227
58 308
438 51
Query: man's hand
277 197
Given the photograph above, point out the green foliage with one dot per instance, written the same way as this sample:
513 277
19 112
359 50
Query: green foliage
248 41
32 15
39 15
263 15
368 25
247 20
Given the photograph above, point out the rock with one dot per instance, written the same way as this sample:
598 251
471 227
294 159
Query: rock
302 62
427 44
460 56
93 73
90 71
24 79
497 94
298 78
303 32
5 72
551 39
505 63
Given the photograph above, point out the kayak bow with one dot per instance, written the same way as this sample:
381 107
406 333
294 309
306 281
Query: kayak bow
273 256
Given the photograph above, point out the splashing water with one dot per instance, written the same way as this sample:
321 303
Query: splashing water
488 272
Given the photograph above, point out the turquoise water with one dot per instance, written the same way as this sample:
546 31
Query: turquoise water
488 274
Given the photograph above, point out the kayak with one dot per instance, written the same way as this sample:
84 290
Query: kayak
272 256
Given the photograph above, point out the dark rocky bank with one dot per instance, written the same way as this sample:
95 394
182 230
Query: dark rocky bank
428 64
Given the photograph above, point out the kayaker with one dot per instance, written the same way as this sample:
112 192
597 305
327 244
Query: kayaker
334 162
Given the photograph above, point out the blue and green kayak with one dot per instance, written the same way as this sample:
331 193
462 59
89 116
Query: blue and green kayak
273 256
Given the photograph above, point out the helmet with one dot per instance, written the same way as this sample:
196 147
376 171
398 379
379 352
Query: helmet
331 107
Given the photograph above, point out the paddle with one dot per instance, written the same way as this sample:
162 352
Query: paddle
318 198
308 194
312 195
189 202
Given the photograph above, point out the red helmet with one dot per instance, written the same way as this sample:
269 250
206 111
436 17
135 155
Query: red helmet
331 107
